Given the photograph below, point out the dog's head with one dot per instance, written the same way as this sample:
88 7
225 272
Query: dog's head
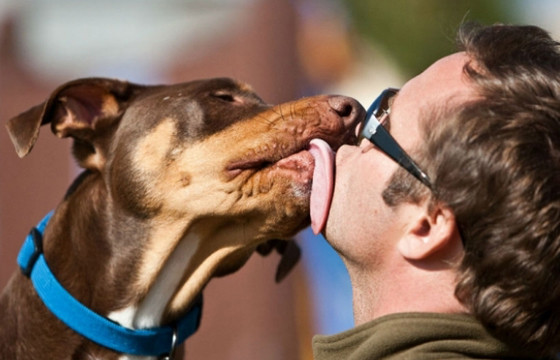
208 157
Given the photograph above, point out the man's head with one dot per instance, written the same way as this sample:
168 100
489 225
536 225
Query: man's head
484 124
497 165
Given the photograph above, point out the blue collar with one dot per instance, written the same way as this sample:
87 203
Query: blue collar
101 330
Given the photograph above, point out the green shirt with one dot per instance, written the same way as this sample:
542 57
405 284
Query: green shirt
414 336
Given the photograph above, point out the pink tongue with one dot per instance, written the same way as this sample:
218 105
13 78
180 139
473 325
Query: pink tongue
322 188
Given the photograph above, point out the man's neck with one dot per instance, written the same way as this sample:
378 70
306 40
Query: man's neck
410 290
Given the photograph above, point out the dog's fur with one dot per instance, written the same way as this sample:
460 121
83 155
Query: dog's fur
181 183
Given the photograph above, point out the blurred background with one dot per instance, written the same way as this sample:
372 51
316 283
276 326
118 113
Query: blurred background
285 50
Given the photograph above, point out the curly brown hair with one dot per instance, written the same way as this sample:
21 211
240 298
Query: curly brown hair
496 163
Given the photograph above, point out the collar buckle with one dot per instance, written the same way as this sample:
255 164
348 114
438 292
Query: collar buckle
173 350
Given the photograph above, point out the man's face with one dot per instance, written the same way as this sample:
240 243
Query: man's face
360 226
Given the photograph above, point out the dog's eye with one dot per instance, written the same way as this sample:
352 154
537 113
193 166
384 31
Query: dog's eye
224 96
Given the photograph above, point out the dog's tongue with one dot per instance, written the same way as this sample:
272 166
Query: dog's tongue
322 188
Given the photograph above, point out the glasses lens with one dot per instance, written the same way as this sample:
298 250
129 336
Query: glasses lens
375 113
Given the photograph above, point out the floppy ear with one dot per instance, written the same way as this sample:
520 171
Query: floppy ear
289 251
81 109
430 231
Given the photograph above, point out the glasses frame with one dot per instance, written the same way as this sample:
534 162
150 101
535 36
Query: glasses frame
374 131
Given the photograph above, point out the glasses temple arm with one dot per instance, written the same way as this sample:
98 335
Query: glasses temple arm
383 140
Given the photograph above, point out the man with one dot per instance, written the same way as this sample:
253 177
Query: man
456 252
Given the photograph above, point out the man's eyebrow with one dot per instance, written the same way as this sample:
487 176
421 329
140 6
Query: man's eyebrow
386 122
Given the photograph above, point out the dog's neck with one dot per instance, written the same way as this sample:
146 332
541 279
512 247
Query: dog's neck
139 273
150 310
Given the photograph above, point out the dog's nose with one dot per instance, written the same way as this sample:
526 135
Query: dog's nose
350 110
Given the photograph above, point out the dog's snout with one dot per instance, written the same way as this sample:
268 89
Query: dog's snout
347 108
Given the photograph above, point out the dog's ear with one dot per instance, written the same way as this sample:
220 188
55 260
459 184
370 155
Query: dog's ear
80 109
290 252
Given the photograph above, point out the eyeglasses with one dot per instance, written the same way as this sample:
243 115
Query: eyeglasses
373 130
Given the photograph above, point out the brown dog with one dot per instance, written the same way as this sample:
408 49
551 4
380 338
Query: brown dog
181 183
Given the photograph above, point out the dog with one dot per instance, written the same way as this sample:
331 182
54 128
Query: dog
181 183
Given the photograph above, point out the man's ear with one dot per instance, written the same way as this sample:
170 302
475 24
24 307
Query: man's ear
80 109
432 229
